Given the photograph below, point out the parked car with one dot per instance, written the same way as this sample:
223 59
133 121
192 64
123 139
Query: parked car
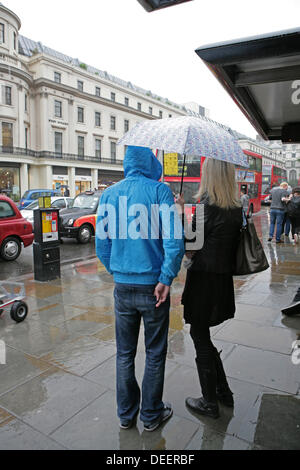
79 221
34 194
14 230
266 201
56 202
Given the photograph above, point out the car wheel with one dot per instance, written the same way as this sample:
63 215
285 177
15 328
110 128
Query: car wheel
85 234
10 249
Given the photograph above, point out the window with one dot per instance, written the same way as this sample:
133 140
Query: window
2 33
80 85
139 106
113 96
113 151
80 146
98 119
98 148
59 203
58 109
26 138
57 77
15 41
7 134
80 114
98 91
7 95
126 102
112 123
150 110
160 114
6 210
58 142
26 103
170 115
126 125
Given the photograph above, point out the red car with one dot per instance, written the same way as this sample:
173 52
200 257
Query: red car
14 230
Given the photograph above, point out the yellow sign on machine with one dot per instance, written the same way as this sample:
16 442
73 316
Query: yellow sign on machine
171 164
44 202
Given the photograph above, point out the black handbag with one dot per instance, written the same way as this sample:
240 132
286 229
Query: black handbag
250 255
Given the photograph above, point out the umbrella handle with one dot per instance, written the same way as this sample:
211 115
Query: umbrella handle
182 176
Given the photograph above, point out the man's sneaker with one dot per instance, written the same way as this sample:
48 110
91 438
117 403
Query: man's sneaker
293 309
296 238
128 423
166 414
270 239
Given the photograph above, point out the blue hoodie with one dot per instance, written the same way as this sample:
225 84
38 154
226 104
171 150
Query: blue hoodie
139 258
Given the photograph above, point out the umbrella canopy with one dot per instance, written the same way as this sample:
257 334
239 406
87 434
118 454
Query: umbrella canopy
187 135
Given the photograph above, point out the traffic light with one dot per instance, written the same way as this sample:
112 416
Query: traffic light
152 5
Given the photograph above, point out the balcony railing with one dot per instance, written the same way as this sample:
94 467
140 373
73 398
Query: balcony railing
58 156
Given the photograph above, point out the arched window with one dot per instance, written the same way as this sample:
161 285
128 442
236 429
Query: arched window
293 175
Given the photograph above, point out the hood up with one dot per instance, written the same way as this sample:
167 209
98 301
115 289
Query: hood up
142 161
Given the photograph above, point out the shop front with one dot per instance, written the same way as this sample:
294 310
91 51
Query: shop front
60 178
83 180
108 178
10 180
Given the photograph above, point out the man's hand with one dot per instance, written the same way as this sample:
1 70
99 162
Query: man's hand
161 293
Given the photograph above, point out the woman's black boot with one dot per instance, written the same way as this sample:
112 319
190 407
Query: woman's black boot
224 394
208 404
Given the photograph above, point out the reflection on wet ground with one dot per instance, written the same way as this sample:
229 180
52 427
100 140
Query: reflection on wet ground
57 389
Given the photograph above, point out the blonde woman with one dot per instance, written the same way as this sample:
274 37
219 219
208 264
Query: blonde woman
208 296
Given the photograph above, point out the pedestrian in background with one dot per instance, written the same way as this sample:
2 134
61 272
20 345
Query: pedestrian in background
277 212
208 296
286 227
293 211
143 270
245 200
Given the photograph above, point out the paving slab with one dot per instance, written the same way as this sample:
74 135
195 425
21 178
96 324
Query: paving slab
270 369
209 439
184 382
274 422
19 368
97 428
81 355
257 314
49 400
268 338
15 435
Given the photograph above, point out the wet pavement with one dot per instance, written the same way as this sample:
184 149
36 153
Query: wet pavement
70 251
57 389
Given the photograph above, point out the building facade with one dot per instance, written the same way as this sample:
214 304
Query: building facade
61 119
291 154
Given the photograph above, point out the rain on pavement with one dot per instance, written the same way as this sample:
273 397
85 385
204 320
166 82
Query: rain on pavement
57 389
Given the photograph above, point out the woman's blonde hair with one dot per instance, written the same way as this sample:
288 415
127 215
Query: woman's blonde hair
219 184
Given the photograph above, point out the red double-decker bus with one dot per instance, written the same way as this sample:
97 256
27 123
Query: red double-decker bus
248 179
271 175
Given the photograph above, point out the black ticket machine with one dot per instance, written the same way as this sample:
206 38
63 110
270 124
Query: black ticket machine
46 246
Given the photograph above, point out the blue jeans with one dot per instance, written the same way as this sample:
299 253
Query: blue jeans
276 217
132 303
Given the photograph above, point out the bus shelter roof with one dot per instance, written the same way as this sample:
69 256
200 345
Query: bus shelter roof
262 75
153 5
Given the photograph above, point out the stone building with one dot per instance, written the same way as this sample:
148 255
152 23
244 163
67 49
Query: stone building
60 119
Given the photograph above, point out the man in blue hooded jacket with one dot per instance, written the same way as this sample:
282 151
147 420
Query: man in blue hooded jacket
139 239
